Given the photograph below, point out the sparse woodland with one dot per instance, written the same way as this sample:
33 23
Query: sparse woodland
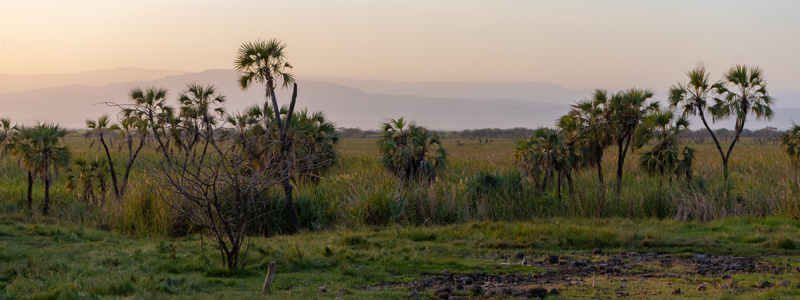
179 164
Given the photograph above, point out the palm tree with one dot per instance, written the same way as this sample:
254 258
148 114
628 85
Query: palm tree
314 139
98 129
627 110
791 143
18 145
404 150
593 120
6 131
744 92
201 108
130 129
41 151
265 62
665 156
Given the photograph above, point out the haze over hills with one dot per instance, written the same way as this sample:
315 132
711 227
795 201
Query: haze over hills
20 83
348 102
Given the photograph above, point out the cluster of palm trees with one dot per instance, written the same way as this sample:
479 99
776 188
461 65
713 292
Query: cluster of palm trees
631 119
404 148
40 149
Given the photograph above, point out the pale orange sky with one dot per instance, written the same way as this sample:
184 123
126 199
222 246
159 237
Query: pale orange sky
578 44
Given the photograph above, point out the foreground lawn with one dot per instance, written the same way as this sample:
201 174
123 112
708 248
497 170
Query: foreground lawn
44 260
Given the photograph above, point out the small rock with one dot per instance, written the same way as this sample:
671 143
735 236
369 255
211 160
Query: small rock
784 283
344 291
552 259
701 287
677 291
477 290
554 292
519 255
765 284
726 276
322 289
446 273
443 295
597 251
623 286
621 294
339 298
724 286
414 296
536 292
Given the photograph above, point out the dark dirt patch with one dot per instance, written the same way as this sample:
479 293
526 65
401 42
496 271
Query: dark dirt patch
563 271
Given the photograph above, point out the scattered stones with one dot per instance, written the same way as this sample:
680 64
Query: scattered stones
621 294
446 273
519 256
701 287
554 292
623 286
765 284
597 251
322 289
785 283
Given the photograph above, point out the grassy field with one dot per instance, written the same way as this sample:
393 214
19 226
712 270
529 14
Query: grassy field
43 260
363 228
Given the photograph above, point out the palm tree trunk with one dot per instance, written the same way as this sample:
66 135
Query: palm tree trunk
29 197
46 204
558 186
128 167
716 143
569 183
620 164
111 167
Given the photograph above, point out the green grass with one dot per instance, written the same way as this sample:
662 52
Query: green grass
46 260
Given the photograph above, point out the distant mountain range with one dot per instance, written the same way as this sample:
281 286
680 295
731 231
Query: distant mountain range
348 102
20 83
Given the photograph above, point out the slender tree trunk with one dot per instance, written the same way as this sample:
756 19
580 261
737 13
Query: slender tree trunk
129 166
558 186
111 167
716 143
620 164
29 197
287 185
569 183
46 204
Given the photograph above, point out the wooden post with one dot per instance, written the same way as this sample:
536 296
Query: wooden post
270 275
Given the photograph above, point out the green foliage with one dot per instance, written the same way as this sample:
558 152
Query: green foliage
404 151
791 144
665 158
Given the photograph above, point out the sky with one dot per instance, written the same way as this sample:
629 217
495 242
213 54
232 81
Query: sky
577 44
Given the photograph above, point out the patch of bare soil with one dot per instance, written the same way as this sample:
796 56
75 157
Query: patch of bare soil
564 271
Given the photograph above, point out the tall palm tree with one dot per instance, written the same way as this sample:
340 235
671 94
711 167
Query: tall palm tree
744 92
593 117
791 143
18 145
130 129
43 152
98 128
627 110
265 62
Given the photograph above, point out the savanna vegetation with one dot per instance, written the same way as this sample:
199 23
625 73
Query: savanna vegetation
175 196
